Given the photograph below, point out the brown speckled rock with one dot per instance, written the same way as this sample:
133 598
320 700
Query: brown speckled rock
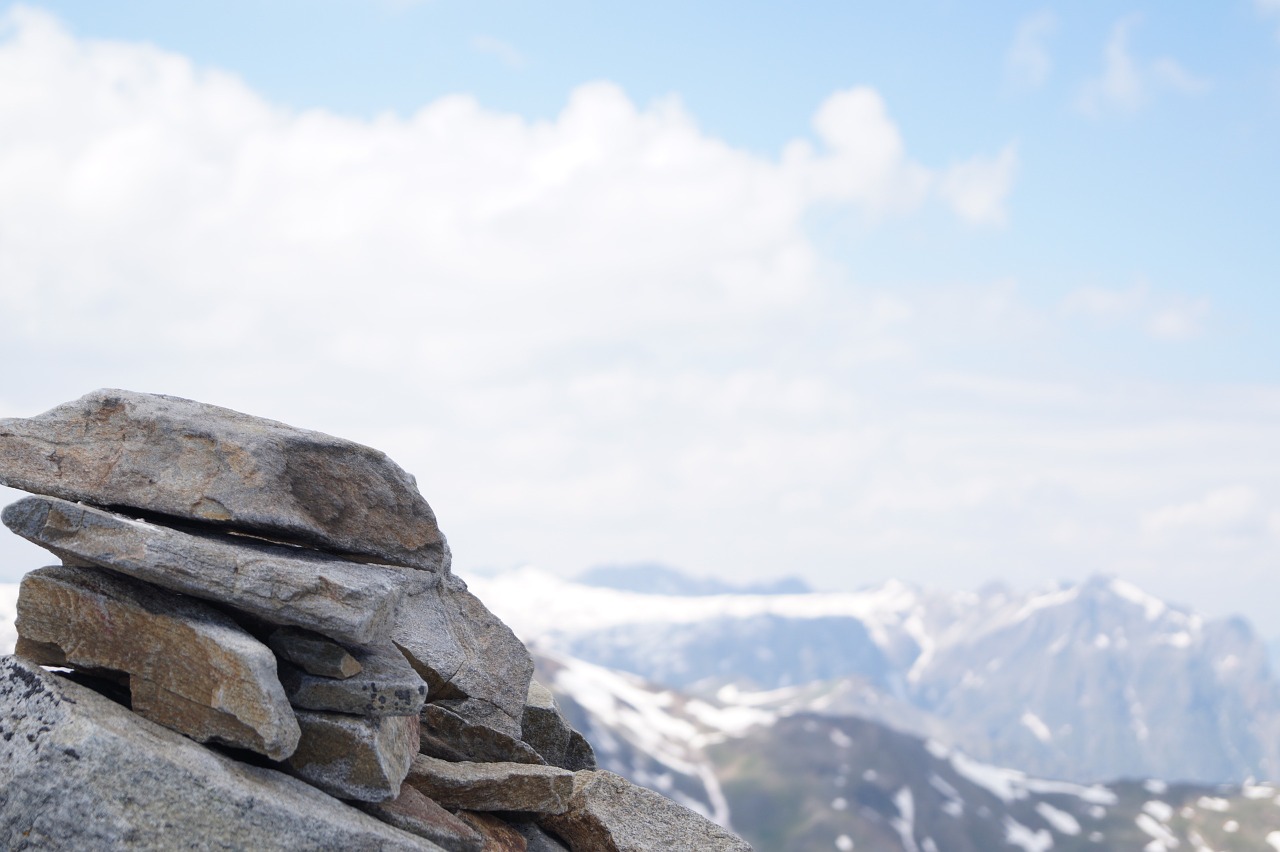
493 786
353 757
190 667
415 813
610 814
498 835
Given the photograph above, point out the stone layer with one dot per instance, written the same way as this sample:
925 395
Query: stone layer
200 462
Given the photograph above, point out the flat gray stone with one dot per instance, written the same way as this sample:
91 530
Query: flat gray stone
313 653
386 686
353 757
492 786
78 771
190 667
610 814
447 735
415 813
463 651
203 463
282 585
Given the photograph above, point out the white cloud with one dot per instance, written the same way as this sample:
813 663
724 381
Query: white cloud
504 51
977 189
1221 510
1163 316
600 337
1028 63
1127 82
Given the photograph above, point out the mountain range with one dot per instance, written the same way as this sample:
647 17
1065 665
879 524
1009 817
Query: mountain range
1083 682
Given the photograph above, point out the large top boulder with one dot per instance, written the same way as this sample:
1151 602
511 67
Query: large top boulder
199 462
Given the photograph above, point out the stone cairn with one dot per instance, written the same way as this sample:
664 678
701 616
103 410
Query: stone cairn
284 598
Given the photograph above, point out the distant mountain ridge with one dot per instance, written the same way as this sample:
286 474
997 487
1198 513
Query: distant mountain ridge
654 578
1089 681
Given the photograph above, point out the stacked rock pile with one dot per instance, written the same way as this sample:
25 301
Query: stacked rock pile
284 598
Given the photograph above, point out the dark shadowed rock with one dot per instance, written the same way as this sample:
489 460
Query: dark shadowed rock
283 585
537 839
190 667
78 771
493 786
353 757
415 813
313 653
610 814
386 686
447 735
204 463
498 835
579 754
543 727
464 652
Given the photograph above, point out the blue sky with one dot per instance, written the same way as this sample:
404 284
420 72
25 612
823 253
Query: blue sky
852 291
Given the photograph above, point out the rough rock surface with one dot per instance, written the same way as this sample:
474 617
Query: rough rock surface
610 814
493 786
313 653
283 585
354 757
579 755
168 645
498 835
463 651
196 461
386 686
543 727
415 813
447 735
78 771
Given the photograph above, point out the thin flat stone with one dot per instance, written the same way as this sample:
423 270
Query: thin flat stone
415 813
353 757
283 585
314 654
204 463
447 735
610 814
463 651
78 771
493 786
190 667
386 686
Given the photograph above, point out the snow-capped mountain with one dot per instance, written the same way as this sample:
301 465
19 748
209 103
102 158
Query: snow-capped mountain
1087 682
799 781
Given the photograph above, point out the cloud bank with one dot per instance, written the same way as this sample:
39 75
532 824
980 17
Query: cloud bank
603 337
